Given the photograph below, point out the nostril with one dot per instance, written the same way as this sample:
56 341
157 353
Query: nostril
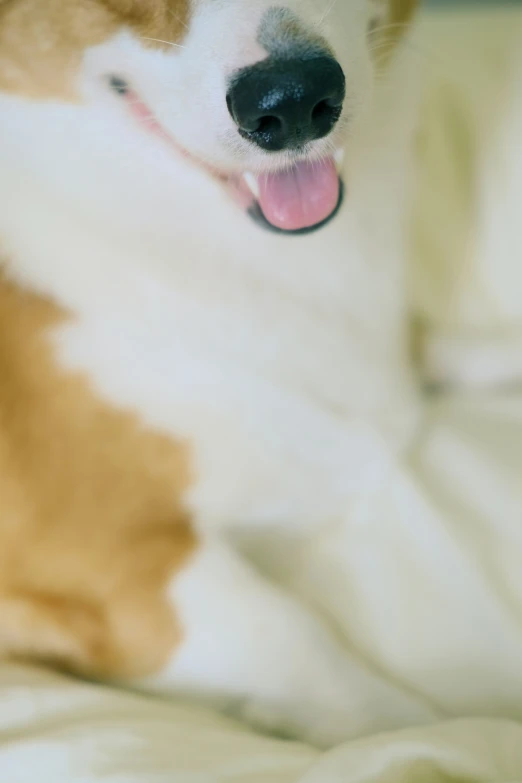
325 114
268 125
322 111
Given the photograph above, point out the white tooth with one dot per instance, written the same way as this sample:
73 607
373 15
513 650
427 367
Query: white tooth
339 157
251 181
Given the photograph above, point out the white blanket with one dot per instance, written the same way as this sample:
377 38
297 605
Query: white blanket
56 731
431 573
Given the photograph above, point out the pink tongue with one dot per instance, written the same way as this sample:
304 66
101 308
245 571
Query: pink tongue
301 197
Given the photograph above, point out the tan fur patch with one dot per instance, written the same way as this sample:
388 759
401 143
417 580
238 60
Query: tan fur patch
42 41
91 521
386 37
401 11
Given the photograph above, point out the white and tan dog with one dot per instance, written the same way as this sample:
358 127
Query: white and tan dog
172 365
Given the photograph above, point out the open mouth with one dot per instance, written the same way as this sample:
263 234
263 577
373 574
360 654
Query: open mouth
296 200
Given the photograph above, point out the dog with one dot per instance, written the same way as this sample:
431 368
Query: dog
190 193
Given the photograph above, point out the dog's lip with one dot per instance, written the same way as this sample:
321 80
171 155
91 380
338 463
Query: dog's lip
146 118
244 187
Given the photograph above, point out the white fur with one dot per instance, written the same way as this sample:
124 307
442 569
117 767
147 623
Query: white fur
253 650
474 362
245 344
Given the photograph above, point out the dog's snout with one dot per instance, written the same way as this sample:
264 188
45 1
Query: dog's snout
282 104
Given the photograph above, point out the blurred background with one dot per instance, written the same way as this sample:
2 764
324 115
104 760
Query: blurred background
472 2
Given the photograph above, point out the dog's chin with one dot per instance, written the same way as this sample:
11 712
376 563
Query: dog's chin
257 215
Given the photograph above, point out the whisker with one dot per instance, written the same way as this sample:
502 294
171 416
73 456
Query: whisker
177 19
392 26
413 45
160 40
327 13
432 56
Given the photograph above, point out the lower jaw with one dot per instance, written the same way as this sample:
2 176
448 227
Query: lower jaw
256 214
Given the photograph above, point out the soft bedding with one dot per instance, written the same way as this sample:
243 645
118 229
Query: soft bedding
426 579
58 731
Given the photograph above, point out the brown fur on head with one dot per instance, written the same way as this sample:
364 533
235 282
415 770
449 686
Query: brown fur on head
42 41
55 33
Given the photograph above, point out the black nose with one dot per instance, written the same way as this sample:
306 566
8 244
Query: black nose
283 104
